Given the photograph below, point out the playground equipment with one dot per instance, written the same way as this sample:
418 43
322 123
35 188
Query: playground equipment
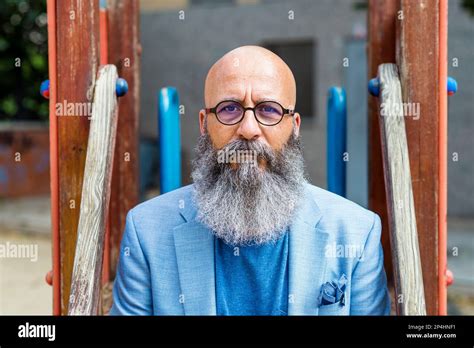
452 86
121 88
86 276
106 36
374 86
422 61
403 236
417 45
169 130
44 89
336 140
414 37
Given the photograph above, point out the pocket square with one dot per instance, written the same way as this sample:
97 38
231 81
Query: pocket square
333 292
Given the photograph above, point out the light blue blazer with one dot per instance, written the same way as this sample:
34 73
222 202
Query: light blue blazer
166 264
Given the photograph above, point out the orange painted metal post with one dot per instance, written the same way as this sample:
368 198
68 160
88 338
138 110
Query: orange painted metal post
443 156
104 44
53 155
104 59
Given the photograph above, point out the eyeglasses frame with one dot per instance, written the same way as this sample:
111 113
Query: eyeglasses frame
213 110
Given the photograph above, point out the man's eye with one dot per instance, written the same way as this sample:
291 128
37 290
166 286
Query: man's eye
268 109
230 108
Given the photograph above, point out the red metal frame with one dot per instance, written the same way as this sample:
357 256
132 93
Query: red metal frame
53 151
443 156
104 59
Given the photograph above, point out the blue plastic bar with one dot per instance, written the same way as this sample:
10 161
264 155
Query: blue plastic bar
336 140
169 134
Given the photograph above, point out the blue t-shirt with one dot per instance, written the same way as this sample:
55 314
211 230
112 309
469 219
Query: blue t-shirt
252 280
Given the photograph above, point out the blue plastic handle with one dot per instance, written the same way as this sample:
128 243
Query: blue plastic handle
374 87
336 140
169 128
452 86
121 87
44 89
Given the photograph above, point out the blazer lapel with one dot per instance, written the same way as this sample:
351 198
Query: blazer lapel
194 245
307 261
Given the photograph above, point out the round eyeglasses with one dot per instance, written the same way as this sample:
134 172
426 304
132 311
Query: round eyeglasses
268 113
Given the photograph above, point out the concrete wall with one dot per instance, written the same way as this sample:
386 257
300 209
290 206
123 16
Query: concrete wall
461 112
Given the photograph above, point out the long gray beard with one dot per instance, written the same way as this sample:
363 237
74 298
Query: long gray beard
248 205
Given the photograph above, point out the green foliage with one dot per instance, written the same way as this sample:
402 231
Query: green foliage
468 5
23 59
361 5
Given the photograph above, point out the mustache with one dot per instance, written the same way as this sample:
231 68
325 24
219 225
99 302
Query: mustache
256 148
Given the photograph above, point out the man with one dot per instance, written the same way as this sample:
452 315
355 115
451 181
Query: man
251 236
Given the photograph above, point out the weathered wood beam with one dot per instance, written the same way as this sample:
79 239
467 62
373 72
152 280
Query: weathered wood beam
86 278
409 299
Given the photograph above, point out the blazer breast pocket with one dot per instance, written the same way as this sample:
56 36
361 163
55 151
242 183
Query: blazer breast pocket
332 309
332 297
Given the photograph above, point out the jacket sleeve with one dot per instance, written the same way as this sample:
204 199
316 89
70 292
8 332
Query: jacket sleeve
369 294
132 286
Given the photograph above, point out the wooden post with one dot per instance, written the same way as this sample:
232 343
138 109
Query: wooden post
124 52
418 63
403 236
77 61
381 49
86 278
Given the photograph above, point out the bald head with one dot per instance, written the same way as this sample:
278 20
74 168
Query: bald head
250 73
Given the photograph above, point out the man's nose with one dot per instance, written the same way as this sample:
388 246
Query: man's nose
249 128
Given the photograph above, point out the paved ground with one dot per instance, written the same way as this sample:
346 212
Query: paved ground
26 215
461 263
23 289
26 223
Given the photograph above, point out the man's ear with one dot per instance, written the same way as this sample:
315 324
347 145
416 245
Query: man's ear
202 123
297 123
